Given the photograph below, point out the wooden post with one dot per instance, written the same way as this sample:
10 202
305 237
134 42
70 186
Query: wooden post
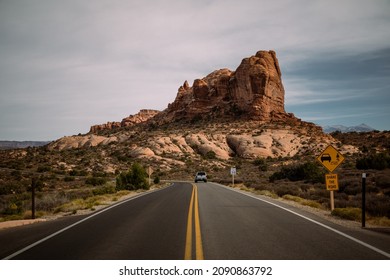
33 184
331 200
149 172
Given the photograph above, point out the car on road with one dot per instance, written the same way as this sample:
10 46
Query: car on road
201 176
326 157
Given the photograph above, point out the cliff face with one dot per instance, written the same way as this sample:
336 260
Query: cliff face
254 91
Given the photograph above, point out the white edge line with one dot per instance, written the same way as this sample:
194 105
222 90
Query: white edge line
387 255
79 222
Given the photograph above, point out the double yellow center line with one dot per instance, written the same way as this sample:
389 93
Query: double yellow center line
193 214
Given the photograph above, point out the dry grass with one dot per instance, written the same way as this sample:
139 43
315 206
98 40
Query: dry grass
379 221
303 201
348 213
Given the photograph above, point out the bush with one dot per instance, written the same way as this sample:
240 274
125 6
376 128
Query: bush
287 190
261 163
349 213
309 172
95 181
69 179
43 168
74 172
135 178
375 161
107 189
210 155
12 188
377 205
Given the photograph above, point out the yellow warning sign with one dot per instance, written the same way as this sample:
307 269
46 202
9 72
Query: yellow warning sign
332 182
330 158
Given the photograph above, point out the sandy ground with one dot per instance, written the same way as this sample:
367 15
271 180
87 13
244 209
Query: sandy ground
9 224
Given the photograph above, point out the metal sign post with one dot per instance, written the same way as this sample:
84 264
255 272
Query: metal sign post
150 171
233 171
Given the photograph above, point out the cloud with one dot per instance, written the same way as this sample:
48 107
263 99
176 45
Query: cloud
100 61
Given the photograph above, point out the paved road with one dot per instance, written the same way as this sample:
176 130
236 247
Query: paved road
188 221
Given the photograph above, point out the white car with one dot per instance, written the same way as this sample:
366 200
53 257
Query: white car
201 176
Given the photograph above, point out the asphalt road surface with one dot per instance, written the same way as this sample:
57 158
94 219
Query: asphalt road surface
193 221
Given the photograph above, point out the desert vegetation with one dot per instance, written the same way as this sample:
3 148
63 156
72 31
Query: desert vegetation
84 178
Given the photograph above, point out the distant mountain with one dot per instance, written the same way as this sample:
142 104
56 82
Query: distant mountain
357 128
7 145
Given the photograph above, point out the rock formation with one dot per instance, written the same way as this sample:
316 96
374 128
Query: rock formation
141 116
254 91
243 115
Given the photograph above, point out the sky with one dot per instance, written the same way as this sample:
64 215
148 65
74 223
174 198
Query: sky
67 65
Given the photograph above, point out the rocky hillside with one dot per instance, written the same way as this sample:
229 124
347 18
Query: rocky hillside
131 120
223 115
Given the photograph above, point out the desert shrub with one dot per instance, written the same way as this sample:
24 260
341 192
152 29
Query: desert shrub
135 178
261 163
77 204
308 171
43 168
210 155
349 213
95 181
17 175
374 161
349 186
382 181
76 172
287 190
377 205
106 189
69 178
319 194
156 180
11 187
99 174
81 193
49 202
267 193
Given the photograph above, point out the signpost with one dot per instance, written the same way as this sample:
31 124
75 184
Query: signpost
233 172
150 172
330 158
332 183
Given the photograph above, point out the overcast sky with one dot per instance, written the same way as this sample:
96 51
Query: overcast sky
66 65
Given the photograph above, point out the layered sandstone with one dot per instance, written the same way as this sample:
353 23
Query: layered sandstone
140 117
254 91
80 141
